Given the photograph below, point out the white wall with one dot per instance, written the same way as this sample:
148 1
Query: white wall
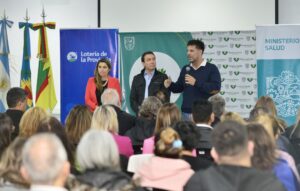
66 14
289 12
127 15
186 15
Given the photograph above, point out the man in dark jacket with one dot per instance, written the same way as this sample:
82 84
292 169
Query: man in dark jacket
203 117
232 152
148 82
125 120
17 102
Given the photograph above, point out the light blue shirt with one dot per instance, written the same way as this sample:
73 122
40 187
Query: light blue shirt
148 78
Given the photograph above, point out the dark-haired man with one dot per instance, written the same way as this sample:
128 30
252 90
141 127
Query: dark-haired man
17 102
199 79
232 152
148 82
203 117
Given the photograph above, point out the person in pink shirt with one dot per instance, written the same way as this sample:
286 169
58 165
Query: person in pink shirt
167 115
105 118
165 170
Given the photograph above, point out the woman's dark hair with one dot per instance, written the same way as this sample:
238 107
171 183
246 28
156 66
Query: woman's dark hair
53 125
188 134
264 156
98 79
6 130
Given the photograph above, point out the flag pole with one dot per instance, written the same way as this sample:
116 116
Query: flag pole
27 18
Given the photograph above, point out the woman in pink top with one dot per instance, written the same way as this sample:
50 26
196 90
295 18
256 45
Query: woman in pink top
105 118
165 170
167 115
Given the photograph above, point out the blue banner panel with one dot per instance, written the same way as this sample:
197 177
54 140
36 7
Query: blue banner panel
80 49
280 80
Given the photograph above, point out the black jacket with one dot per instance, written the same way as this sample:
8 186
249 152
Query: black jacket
233 178
205 137
142 130
125 120
197 163
137 92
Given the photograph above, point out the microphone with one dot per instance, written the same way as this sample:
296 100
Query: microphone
187 69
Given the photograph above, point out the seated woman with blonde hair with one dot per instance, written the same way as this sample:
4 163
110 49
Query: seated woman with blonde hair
165 171
30 121
105 118
233 116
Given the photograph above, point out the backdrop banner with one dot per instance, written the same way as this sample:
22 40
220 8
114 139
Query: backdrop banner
170 51
80 49
233 52
278 62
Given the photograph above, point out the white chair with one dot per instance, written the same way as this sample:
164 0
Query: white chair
136 161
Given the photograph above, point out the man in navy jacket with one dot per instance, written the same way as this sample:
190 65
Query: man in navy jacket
199 79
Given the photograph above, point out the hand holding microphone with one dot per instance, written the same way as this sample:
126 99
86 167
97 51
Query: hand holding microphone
188 78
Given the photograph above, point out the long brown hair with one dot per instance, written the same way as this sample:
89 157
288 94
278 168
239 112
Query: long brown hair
167 115
98 80
267 102
77 123
264 156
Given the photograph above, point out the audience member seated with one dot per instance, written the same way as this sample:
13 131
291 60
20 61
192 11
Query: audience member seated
52 125
203 117
145 123
268 103
295 141
6 131
218 105
77 123
16 100
233 116
105 118
282 142
232 152
100 163
10 165
189 137
271 126
290 130
165 171
264 157
45 163
30 121
167 116
125 120
162 96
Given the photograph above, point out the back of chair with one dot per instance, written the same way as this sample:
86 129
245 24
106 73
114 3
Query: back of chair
137 149
136 161
204 153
